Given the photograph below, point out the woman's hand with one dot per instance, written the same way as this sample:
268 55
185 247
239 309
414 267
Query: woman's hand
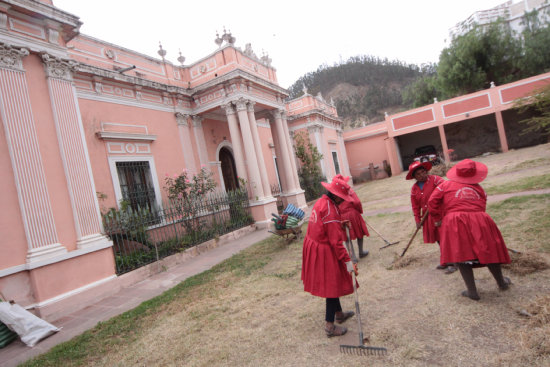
345 223
350 266
418 225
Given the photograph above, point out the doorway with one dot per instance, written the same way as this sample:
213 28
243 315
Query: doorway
229 171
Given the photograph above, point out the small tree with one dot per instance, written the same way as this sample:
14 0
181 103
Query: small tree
187 193
310 170
540 103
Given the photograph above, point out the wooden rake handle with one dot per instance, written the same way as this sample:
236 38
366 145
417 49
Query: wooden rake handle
415 232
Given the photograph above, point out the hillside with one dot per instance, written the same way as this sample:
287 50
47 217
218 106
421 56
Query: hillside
362 87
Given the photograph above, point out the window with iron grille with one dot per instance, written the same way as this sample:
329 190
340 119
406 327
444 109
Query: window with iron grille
136 184
336 164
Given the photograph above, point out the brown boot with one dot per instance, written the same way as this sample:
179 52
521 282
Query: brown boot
335 331
343 316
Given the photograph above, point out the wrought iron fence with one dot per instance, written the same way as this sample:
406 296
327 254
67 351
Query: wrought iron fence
276 193
142 236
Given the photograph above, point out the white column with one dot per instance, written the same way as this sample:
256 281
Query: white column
74 152
185 140
258 149
252 161
316 137
285 159
291 153
25 155
344 153
201 142
235 140
278 153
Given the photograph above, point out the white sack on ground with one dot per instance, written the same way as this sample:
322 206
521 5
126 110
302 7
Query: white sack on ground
31 329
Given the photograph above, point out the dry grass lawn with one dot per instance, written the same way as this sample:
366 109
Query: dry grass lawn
252 310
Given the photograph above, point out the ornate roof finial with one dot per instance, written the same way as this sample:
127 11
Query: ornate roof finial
181 58
304 89
161 52
218 40
230 39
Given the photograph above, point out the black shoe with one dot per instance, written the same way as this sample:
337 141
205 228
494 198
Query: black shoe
450 269
441 267
363 254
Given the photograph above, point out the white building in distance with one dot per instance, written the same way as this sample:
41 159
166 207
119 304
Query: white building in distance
510 11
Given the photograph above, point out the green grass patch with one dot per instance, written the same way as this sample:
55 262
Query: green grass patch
127 327
526 164
524 221
524 184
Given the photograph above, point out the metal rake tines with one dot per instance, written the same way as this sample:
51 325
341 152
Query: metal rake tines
363 350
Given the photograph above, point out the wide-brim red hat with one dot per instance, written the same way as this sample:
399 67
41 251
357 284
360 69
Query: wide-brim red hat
339 188
416 165
340 177
468 172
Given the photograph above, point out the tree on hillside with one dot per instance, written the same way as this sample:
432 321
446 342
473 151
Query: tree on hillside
485 54
374 86
540 103
423 90
535 58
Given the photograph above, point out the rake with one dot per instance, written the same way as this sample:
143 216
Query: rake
361 349
375 231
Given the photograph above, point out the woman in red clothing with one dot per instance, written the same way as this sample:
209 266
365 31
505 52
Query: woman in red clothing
420 194
469 236
326 265
351 211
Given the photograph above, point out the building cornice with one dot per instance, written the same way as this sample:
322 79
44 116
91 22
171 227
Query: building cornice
69 22
314 112
115 75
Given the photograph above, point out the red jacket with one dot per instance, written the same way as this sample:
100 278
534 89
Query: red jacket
324 272
352 210
419 202
466 232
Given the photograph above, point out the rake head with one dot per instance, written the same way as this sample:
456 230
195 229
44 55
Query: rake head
389 244
363 350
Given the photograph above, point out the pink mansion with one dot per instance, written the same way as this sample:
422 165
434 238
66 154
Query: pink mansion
83 118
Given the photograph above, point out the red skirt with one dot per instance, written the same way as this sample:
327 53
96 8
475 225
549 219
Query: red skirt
430 231
358 227
468 236
323 274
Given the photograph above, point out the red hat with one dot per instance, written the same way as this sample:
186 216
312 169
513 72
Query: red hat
416 165
468 172
340 177
339 188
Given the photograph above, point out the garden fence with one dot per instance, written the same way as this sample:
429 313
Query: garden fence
142 236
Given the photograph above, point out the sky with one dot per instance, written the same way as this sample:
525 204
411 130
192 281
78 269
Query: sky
298 35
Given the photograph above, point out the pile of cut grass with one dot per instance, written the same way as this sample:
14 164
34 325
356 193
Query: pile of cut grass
535 336
526 263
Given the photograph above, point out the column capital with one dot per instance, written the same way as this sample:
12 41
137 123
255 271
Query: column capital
277 113
250 106
283 114
228 108
59 68
181 118
197 120
315 128
12 57
241 104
